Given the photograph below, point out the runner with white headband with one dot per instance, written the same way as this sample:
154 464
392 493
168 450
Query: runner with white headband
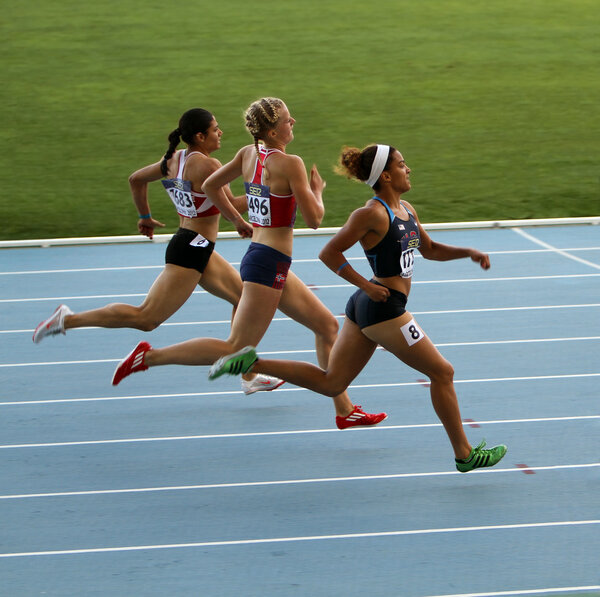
383 152
389 231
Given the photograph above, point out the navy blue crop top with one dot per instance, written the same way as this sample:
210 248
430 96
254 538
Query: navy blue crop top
394 254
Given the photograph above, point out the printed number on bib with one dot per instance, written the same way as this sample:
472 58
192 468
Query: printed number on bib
412 332
259 204
180 192
407 263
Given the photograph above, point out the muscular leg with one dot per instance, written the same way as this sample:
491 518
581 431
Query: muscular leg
300 303
255 311
348 358
168 293
425 357
222 280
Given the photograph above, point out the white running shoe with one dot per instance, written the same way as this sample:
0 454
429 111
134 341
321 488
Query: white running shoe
55 324
261 383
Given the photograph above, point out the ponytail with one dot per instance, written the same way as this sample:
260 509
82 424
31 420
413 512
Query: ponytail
174 140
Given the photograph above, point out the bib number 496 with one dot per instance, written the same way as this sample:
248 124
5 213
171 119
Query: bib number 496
259 204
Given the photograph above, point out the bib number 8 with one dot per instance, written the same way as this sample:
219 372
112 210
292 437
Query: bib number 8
412 332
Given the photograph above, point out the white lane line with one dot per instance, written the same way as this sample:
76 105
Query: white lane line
237 263
290 482
547 591
496 527
136 440
563 252
280 319
321 286
312 350
292 389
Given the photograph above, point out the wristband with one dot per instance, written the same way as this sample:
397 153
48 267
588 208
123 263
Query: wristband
145 216
339 269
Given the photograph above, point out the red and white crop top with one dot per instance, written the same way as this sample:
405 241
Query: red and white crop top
265 209
187 202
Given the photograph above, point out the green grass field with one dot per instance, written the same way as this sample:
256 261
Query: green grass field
493 104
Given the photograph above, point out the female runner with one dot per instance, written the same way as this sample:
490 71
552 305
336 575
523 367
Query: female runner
276 182
389 231
190 256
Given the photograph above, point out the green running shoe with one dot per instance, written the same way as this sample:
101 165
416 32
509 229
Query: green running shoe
480 458
234 364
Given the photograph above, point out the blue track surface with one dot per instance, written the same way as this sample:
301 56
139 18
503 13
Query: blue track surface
171 485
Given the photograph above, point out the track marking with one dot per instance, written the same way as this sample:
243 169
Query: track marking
293 389
341 316
526 469
562 252
484 471
63 299
312 350
498 527
547 591
137 440
237 263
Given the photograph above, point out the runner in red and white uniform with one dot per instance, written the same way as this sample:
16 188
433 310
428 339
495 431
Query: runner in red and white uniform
276 184
190 257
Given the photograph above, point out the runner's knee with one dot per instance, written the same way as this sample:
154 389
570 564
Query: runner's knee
444 373
146 321
327 328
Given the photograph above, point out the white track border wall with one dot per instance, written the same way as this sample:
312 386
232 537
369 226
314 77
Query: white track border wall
163 238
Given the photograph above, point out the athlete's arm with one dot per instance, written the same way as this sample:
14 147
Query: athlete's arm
361 223
435 251
309 195
214 187
138 183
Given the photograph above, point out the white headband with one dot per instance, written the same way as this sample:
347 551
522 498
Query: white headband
381 157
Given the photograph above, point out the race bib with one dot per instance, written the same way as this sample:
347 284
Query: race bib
180 192
412 332
259 204
199 241
407 263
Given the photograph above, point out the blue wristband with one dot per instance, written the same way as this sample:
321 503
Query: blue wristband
145 216
339 269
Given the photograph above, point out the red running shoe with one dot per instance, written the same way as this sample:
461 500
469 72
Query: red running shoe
359 417
132 363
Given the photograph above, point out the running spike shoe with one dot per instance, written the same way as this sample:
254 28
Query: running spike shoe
234 364
132 363
261 383
55 324
359 417
480 458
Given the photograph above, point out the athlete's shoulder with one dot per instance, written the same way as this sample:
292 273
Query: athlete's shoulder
370 214
376 208
409 207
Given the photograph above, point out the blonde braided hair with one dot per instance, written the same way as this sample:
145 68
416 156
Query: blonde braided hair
261 117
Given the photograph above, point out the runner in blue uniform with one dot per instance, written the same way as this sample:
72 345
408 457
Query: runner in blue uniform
389 231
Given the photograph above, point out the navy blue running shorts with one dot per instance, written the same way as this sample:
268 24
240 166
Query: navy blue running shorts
189 249
264 265
364 312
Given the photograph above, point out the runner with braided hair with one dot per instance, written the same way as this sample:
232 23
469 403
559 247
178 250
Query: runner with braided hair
190 257
276 184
